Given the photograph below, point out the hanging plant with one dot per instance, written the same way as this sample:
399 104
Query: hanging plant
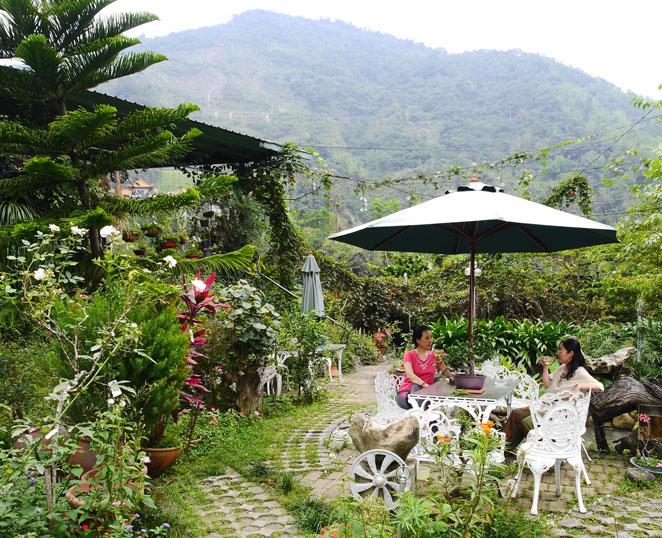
153 231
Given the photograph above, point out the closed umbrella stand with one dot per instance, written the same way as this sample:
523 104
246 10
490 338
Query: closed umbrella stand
478 219
312 299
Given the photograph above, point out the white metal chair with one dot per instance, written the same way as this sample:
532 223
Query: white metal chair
527 390
386 389
582 401
556 438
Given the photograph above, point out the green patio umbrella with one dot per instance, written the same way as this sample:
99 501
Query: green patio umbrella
312 300
478 219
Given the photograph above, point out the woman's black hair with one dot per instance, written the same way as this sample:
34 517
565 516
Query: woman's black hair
572 344
417 333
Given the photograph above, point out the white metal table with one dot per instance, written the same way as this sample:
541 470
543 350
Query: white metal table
283 354
479 406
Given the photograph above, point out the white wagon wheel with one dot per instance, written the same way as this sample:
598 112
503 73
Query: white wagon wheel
378 473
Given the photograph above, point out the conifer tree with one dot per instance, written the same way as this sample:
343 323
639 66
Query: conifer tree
63 47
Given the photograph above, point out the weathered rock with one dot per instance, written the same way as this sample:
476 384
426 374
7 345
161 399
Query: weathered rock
639 474
623 422
609 364
399 437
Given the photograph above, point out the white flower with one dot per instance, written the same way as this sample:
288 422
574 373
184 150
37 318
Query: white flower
111 401
78 231
54 227
107 231
170 261
146 459
199 285
40 274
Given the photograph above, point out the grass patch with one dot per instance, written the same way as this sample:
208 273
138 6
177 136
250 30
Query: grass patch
313 514
245 444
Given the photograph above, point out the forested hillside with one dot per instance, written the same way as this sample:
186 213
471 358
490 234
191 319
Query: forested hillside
376 106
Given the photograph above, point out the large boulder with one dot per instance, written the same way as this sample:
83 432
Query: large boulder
610 365
399 437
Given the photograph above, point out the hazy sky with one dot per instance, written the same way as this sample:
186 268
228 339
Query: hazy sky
612 39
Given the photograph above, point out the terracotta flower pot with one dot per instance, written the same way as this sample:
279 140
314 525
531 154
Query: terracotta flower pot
194 256
129 237
161 459
84 456
29 437
75 495
139 251
169 244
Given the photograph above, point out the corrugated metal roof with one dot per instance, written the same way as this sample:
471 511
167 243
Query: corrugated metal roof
214 146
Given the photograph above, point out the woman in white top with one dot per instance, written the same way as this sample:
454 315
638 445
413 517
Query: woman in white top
570 375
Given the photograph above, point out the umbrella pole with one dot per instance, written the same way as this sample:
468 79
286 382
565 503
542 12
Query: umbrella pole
472 306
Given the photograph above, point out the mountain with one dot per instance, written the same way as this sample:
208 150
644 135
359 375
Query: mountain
341 89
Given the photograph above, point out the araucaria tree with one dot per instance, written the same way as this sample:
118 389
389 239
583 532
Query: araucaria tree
65 47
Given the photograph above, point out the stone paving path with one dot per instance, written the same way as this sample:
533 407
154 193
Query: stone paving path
321 456
238 508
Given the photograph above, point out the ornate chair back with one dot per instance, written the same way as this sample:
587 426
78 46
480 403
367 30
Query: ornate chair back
386 388
527 390
558 428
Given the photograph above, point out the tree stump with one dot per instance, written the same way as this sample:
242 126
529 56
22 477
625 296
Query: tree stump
611 366
623 396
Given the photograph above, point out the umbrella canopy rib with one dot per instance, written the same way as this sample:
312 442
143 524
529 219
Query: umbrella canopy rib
391 238
532 238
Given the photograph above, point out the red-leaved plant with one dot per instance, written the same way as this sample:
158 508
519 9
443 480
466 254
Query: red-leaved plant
198 300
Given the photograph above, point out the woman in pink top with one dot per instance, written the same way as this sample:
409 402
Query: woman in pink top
420 365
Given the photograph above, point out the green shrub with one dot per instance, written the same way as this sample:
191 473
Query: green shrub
600 338
155 367
158 375
313 514
523 341
242 339
25 374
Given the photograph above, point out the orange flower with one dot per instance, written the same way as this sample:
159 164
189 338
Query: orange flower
443 439
487 429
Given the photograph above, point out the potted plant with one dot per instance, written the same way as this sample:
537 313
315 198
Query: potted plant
451 335
163 252
131 234
193 253
140 248
153 230
206 252
183 238
163 455
169 241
